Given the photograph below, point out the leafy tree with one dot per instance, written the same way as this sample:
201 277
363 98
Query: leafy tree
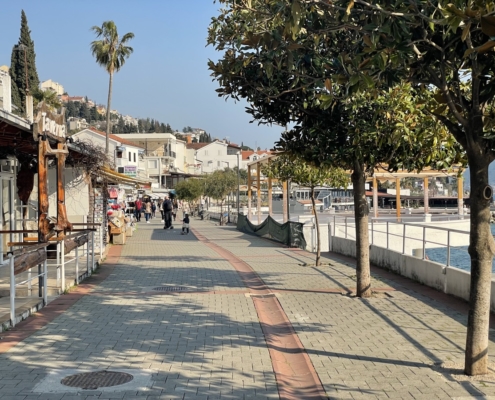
298 171
447 45
110 52
49 97
219 184
332 128
22 61
190 190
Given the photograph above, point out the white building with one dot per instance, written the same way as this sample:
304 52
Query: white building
165 161
210 157
53 86
5 91
126 154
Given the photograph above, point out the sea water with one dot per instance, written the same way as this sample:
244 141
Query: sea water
459 256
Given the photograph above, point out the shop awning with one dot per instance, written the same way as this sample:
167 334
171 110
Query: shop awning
116 177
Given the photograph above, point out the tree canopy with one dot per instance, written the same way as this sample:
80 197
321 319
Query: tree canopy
22 63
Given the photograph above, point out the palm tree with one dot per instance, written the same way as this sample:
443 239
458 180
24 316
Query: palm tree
110 52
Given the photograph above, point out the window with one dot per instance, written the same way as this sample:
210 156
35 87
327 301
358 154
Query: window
120 170
130 156
118 154
218 163
152 164
134 157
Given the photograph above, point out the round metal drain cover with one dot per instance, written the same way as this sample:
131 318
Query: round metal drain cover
169 288
95 380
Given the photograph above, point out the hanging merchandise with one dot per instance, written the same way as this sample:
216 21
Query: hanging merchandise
113 193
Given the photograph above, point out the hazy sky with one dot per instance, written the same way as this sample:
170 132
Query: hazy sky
166 78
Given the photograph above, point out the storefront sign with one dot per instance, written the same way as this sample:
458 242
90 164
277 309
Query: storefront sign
49 123
130 170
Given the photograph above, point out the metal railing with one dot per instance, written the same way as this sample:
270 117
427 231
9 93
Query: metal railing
42 275
410 238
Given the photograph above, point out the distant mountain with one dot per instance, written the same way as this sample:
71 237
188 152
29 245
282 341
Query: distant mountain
491 176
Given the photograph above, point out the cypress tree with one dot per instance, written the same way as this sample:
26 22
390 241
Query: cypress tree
18 67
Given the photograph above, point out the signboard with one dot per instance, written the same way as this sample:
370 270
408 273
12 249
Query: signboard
130 170
49 123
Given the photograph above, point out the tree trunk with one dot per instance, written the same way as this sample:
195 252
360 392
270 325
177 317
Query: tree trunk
318 240
481 250
363 287
109 102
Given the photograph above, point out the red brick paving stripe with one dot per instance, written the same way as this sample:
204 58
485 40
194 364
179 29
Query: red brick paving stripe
295 374
58 306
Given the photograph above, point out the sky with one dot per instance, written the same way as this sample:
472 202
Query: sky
166 78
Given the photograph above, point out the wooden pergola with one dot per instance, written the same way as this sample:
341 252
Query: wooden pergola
379 174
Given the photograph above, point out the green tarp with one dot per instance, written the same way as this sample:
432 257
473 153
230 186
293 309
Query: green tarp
289 233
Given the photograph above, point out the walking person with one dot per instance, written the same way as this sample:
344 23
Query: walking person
138 205
167 211
147 211
185 225
153 209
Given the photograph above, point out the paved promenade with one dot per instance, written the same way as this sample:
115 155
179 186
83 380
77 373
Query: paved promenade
217 314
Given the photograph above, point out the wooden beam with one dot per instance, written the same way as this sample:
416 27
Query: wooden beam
258 191
425 200
460 195
29 260
375 197
43 223
270 192
249 191
397 197
284 201
63 223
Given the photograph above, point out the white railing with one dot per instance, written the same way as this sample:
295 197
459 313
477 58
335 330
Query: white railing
406 237
42 274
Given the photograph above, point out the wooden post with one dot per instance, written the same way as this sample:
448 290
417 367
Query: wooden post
425 187
397 197
249 193
375 197
43 224
62 221
258 190
270 203
284 202
460 195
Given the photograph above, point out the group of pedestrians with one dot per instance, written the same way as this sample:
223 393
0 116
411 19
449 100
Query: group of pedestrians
168 209
148 207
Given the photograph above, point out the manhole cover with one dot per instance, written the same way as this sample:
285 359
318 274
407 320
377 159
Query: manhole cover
95 380
169 288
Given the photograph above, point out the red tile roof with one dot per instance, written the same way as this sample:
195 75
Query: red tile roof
116 138
196 146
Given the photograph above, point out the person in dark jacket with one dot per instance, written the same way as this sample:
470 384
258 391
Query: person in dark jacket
185 225
167 213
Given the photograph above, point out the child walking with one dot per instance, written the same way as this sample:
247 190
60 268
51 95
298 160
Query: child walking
185 225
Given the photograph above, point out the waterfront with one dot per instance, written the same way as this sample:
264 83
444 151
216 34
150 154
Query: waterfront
459 256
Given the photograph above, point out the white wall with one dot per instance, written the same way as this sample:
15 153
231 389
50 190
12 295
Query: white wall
449 280
76 193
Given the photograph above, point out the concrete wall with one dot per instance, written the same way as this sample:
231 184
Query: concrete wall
309 232
449 280
76 193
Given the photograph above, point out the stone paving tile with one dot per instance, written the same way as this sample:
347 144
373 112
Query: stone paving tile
386 347
183 338
211 346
